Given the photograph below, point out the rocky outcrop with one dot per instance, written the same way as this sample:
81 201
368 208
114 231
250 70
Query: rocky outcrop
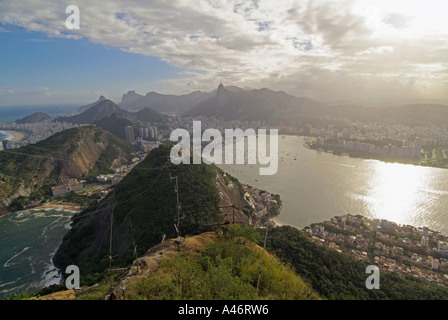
68 154
5 202
86 152
149 262
230 195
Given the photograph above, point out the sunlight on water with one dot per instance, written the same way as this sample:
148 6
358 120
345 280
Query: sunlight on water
316 186
396 190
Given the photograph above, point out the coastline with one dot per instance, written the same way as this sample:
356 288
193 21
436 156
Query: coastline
64 206
17 136
369 156
54 221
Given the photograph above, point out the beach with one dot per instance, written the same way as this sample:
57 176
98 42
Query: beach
60 205
53 205
16 135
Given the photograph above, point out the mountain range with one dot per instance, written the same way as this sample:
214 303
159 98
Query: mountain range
230 103
233 103
273 107
163 102
106 108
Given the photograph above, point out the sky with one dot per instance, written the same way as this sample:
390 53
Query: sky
371 52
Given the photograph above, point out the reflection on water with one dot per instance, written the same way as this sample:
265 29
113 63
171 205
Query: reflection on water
316 186
400 192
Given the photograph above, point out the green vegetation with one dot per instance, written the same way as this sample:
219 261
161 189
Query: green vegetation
338 276
73 197
38 167
144 200
116 124
97 292
275 209
31 165
232 180
21 296
149 115
104 164
226 269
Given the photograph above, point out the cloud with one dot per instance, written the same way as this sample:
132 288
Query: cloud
376 50
324 49
397 21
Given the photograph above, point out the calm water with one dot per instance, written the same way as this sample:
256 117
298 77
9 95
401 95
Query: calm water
28 240
316 186
11 113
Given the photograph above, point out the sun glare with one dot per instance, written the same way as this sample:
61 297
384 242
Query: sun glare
395 192
406 18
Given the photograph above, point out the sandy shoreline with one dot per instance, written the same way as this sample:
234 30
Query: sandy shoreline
52 205
18 135
56 205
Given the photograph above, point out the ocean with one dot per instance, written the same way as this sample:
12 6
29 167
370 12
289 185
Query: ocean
5 136
28 241
11 113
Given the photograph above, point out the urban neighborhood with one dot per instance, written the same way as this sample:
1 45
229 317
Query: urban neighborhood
404 249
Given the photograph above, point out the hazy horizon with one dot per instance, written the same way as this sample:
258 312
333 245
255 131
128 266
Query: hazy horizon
371 52
397 103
